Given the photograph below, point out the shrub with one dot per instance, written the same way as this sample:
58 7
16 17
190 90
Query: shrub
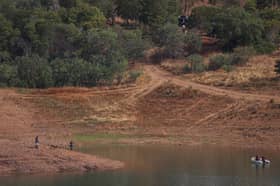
233 25
250 6
264 47
132 43
172 40
201 16
61 72
187 69
157 56
196 62
8 75
192 43
218 61
134 75
34 72
241 55
227 67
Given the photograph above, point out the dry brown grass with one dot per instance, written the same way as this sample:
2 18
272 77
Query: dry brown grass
258 67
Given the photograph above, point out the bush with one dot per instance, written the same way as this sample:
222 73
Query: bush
233 26
8 75
250 6
132 43
218 62
187 69
34 72
157 56
61 74
264 47
134 75
201 16
241 55
172 40
196 62
192 43
227 67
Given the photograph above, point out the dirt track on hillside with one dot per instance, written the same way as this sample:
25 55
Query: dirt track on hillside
160 75
190 113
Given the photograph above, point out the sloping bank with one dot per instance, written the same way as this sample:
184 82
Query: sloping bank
20 159
20 122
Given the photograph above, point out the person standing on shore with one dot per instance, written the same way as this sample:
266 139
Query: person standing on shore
71 145
37 142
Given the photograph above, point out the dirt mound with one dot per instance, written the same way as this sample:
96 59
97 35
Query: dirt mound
169 90
172 105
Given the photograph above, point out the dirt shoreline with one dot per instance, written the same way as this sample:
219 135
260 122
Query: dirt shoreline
19 124
52 160
159 109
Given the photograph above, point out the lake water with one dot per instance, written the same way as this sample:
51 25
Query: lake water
168 166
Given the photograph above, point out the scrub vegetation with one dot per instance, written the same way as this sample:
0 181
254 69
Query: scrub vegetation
47 43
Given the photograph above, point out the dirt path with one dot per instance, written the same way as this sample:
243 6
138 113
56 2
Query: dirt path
161 76
19 123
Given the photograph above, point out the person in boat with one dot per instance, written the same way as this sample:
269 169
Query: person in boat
71 145
37 142
263 159
257 158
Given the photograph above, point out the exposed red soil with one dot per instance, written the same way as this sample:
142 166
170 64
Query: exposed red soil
20 123
162 109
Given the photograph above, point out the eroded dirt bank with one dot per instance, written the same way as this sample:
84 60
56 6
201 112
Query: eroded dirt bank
19 124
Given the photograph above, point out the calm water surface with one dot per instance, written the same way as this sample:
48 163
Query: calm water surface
167 166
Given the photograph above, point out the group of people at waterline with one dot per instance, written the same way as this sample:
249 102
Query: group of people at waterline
37 143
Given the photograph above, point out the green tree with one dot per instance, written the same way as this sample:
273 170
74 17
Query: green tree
6 32
154 13
34 72
77 71
98 42
8 75
172 40
83 16
5 57
68 3
101 47
129 9
201 17
64 41
261 4
132 43
271 20
250 6
192 43
235 27
61 74
108 7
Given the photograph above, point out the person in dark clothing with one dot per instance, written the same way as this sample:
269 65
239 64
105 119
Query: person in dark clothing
263 159
37 142
182 21
71 145
257 158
